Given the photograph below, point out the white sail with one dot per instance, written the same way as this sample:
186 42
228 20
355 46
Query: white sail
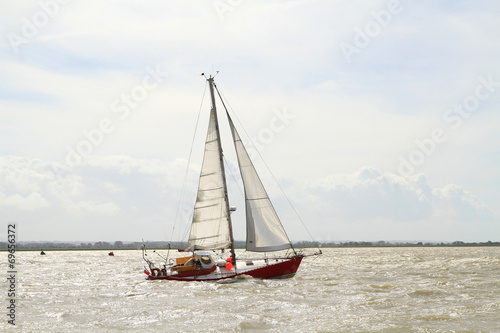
210 226
264 229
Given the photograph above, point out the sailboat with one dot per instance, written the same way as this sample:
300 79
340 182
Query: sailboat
211 236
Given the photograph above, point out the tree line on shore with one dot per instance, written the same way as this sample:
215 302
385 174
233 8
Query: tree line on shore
117 245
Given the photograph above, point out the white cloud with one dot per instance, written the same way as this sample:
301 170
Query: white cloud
104 191
131 192
461 204
31 202
384 206
103 209
369 195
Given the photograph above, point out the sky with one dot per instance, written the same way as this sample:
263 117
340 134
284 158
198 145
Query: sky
378 119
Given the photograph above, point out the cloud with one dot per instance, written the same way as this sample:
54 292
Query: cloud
106 209
141 196
460 204
368 195
103 193
31 202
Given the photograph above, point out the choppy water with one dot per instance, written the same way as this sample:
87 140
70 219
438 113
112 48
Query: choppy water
345 290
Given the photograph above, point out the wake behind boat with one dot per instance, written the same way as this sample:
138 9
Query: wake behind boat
211 232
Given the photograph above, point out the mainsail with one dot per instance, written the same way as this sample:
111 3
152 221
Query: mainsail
264 229
210 228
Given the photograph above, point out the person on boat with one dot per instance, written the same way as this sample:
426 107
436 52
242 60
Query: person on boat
190 262
193 262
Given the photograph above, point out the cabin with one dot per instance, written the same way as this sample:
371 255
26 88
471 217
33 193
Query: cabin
200 260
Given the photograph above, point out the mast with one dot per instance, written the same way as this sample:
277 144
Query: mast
212 95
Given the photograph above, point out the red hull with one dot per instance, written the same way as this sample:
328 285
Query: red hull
282 269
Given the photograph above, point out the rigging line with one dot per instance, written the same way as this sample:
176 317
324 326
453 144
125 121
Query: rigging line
222 97
234 178
186 230
183 191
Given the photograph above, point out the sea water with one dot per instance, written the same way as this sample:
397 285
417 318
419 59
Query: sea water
452 289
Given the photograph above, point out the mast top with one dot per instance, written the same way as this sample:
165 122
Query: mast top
210 78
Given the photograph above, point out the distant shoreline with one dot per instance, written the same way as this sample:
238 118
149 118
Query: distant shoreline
155 245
